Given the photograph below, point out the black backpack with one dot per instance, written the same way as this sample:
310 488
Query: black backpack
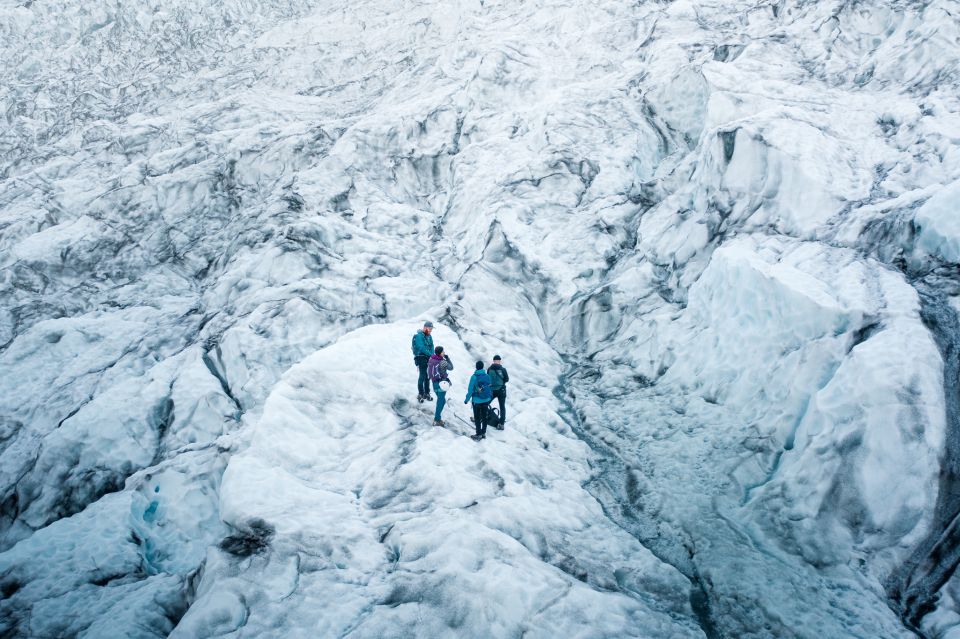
493 417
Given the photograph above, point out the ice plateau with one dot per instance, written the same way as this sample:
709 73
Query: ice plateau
716 243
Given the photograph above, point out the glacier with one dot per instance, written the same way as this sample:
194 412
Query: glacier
717 245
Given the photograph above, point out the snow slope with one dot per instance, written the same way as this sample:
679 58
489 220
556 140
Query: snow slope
382 526
716 244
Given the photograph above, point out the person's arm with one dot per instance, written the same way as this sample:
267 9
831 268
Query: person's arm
470 388
506 376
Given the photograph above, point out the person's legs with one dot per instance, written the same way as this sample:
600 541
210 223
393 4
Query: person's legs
501 396
482 414
441 401
426 383
422 388
478 419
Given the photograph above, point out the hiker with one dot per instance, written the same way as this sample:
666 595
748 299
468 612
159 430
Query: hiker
479 392
437 371
498 384
422 350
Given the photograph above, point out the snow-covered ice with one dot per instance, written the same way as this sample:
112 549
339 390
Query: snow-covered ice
381 525
937 223
716 244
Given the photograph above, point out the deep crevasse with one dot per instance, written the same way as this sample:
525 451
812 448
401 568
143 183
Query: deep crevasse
693 230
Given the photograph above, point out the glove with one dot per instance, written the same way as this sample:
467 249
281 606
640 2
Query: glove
466 401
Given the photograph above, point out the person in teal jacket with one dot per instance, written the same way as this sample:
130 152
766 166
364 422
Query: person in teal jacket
480 392
422 351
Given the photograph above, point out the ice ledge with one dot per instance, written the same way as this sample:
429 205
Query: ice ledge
372 519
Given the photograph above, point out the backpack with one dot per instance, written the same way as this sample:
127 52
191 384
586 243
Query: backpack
493 418
434 372
496 378
482 390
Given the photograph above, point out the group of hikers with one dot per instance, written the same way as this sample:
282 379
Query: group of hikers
485 385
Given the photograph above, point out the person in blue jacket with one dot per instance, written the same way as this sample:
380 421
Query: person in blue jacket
422 351
480 392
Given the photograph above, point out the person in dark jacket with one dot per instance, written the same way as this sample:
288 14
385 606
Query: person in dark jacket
479 392
437 370
422 350
498 380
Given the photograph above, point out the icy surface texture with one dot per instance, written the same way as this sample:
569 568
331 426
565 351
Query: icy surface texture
380 525
716 243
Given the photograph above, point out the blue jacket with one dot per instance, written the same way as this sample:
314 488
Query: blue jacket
422 344
479 379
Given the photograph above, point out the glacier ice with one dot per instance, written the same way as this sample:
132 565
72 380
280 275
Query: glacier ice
442 537
716 244
937 224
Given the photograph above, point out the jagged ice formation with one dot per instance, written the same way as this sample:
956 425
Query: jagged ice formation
716 243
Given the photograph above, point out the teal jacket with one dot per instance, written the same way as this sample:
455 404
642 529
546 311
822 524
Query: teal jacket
422 344
498 375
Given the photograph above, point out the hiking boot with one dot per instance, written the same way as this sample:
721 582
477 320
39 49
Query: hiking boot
476 438
439 422
429 398
499 426
420 398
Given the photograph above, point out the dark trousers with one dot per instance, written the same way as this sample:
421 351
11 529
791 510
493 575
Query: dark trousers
423 383
501 396
480 418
